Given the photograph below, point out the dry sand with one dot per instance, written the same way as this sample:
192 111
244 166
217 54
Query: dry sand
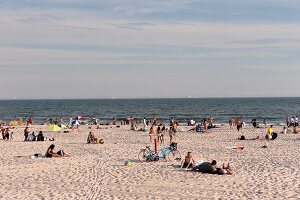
97 171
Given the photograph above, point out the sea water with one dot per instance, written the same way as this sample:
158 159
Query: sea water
273 110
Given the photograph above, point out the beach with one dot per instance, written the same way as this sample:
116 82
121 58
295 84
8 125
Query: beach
97 171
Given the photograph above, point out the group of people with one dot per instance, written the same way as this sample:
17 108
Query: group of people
292 122
189 162
6 133
160 133
30 137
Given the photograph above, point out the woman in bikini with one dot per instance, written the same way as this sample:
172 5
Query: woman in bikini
50 153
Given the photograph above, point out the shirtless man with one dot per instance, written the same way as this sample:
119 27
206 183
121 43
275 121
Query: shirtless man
239 124
92 138
188 161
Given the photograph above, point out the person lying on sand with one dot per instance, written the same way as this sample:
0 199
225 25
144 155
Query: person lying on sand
206 167
225 170
244 138
210 168
188 161
50 153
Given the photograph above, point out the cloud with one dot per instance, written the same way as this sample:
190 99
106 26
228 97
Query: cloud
219 10
126 41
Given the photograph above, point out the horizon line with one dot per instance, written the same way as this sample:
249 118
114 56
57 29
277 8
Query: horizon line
141 98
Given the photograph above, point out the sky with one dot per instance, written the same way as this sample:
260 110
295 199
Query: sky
62 49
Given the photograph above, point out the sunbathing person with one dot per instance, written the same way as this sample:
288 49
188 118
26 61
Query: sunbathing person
206 167
50 153
225 170
188 161
244 138
92 138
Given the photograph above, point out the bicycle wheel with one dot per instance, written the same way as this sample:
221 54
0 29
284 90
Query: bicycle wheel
142 156
174 156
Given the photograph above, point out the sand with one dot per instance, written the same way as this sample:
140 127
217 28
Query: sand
97 171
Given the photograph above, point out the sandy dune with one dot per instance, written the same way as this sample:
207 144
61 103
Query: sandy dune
98 172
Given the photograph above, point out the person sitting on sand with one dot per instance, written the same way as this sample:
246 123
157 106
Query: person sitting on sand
31 137
50 153
133 127
295 129
188 161
92 138
284 130
40 137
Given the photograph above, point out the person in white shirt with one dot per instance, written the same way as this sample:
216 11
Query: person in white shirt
144 124
292 122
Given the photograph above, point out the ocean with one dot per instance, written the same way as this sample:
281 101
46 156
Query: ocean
221 109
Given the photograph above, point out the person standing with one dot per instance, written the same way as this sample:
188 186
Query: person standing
292 122
205 124
144 124
287 121
231 122
171 135
158 131
162 134
151 133
264 122
154 121
26 133
30 121
26 119
270 132
296 121
239 124
210 121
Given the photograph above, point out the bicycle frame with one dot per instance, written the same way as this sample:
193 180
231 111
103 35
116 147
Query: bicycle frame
162 153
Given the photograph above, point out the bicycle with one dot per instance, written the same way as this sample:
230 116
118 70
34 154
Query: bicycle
169 153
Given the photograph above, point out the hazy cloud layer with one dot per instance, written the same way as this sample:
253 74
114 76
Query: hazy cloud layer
139 48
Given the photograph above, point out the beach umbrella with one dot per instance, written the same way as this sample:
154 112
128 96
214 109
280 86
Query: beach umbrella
53 128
